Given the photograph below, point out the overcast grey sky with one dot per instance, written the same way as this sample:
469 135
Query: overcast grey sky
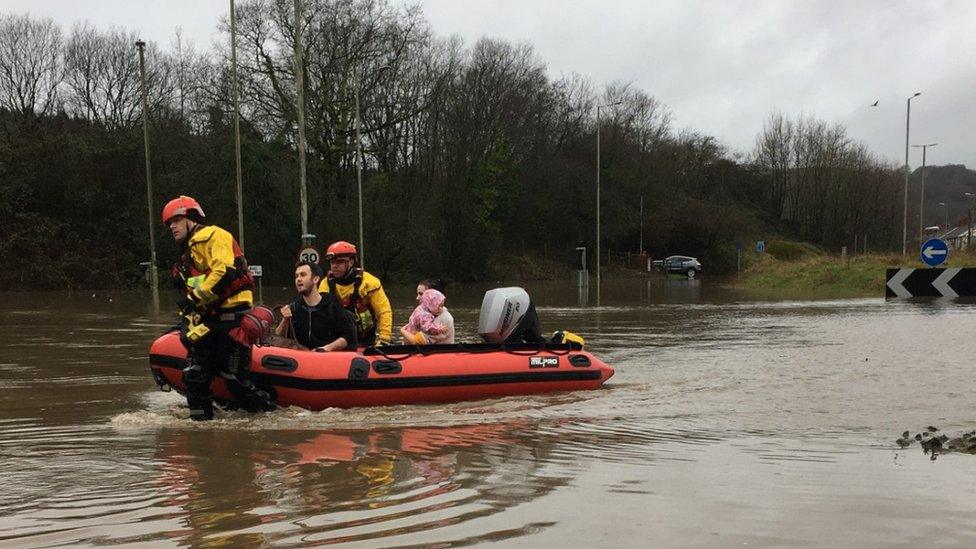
721 67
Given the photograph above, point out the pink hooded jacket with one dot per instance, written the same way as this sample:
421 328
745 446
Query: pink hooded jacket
422 319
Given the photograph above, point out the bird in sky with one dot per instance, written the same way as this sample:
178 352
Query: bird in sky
875 104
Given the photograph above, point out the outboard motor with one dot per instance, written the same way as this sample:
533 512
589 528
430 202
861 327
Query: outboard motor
508 315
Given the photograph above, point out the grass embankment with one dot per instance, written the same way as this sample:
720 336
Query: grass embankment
861 275
858 275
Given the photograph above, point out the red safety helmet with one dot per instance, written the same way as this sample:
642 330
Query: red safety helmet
181 205
340 248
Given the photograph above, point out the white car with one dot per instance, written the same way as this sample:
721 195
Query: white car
680 264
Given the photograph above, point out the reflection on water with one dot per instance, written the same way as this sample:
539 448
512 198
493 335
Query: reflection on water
732 420
358 485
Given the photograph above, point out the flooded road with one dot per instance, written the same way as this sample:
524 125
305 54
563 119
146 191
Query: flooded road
732 420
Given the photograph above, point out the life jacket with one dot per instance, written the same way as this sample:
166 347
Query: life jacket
365 323
233 283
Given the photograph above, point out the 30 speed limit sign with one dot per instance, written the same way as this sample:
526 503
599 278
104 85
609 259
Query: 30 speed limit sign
310 254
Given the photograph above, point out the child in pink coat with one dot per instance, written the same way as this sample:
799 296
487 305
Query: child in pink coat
423 327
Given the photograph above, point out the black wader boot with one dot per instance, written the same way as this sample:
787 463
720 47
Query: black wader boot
235 374
199 395
219 354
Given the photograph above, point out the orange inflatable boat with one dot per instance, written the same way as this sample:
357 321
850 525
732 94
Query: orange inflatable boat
400 374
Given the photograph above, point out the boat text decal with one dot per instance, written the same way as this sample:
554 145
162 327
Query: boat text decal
543 362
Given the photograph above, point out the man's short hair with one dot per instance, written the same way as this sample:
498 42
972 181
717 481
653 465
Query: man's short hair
433 284
314 267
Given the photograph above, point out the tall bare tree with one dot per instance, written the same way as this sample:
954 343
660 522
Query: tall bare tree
103 76
31 67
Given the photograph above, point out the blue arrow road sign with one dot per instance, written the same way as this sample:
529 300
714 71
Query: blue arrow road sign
761 246
934 252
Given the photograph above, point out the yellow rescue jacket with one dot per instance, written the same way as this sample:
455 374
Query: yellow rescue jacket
215 256
371 307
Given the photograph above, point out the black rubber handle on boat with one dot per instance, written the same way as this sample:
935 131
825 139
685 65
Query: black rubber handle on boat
281 363
358 369
579 361
387 367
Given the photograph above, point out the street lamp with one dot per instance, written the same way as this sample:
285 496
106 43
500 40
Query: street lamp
946 215
598 195
153 272
921 199
235 95
904 226
300 114
359 165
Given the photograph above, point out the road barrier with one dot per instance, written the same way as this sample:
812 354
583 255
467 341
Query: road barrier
937 282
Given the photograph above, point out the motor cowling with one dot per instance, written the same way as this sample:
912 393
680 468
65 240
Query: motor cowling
508 315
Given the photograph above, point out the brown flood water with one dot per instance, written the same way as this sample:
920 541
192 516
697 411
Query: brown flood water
731 421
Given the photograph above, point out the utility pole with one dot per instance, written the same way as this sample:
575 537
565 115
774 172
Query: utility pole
359 162
921 199
359 177
237 123
598 168
640 245
153 273
904 227
300 85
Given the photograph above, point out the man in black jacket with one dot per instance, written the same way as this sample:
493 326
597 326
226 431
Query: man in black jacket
317 320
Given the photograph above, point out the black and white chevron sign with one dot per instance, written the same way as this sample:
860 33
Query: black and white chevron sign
948 282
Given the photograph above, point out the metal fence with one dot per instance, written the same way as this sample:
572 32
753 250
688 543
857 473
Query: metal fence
627 260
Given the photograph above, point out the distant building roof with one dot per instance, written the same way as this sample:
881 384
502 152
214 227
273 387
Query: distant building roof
956 232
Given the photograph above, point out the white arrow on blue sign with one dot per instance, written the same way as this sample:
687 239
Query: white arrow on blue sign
934 252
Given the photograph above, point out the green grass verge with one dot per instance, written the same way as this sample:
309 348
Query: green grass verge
830 275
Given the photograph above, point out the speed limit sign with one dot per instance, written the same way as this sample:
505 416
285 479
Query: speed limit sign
310 254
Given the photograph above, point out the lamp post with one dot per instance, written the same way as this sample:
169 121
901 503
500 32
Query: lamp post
640 238
598 168
359 165
946 205
237 123
153 273
300 114
904 226
921 198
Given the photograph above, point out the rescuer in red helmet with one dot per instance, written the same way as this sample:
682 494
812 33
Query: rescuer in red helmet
216 286
359 293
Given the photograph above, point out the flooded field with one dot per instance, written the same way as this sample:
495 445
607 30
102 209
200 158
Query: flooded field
732 420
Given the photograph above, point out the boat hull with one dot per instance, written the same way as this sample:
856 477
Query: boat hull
399 375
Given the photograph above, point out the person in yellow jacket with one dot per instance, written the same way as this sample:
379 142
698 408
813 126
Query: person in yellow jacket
360 293
216 286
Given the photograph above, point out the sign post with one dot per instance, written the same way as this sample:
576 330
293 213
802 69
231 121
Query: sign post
582 275
738 258
934 252
256 272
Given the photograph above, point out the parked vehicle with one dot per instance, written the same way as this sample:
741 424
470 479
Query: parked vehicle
680 264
